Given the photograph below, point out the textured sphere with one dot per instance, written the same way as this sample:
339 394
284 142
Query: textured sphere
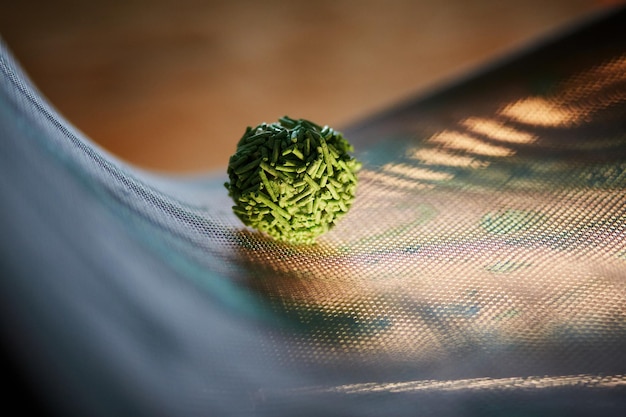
292 179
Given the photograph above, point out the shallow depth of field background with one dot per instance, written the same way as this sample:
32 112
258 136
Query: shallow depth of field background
170 85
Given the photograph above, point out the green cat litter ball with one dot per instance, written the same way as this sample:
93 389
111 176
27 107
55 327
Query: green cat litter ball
292 179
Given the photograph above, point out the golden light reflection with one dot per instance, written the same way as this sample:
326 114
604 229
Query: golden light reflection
441 157
498 131
368 184
569 104
463 142
477 384
538 111
416 173
392 181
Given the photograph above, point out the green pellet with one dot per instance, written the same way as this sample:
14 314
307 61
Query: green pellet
346 171
305 201
236 161
281 134
249 190
335 183
288 150
334 152
251 179
268 186
275 151
261 198
330 161
312 170
321 169
299 197
333 192
286 168
298 154
269 169
311 183
318 217
316 205
287 122
248 167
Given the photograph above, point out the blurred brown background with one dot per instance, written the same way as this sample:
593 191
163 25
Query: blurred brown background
171 85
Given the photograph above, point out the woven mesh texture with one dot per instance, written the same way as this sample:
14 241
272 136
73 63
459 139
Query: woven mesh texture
480 271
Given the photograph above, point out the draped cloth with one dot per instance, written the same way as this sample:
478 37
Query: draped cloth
480 271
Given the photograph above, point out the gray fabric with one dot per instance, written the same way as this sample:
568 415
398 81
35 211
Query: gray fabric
481 271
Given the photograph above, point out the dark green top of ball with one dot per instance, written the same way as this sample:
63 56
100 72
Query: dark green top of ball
292 179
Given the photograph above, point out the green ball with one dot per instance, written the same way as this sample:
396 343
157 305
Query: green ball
292 180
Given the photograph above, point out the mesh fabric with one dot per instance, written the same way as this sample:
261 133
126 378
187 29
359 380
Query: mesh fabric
480 271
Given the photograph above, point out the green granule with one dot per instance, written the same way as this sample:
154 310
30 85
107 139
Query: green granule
292 179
